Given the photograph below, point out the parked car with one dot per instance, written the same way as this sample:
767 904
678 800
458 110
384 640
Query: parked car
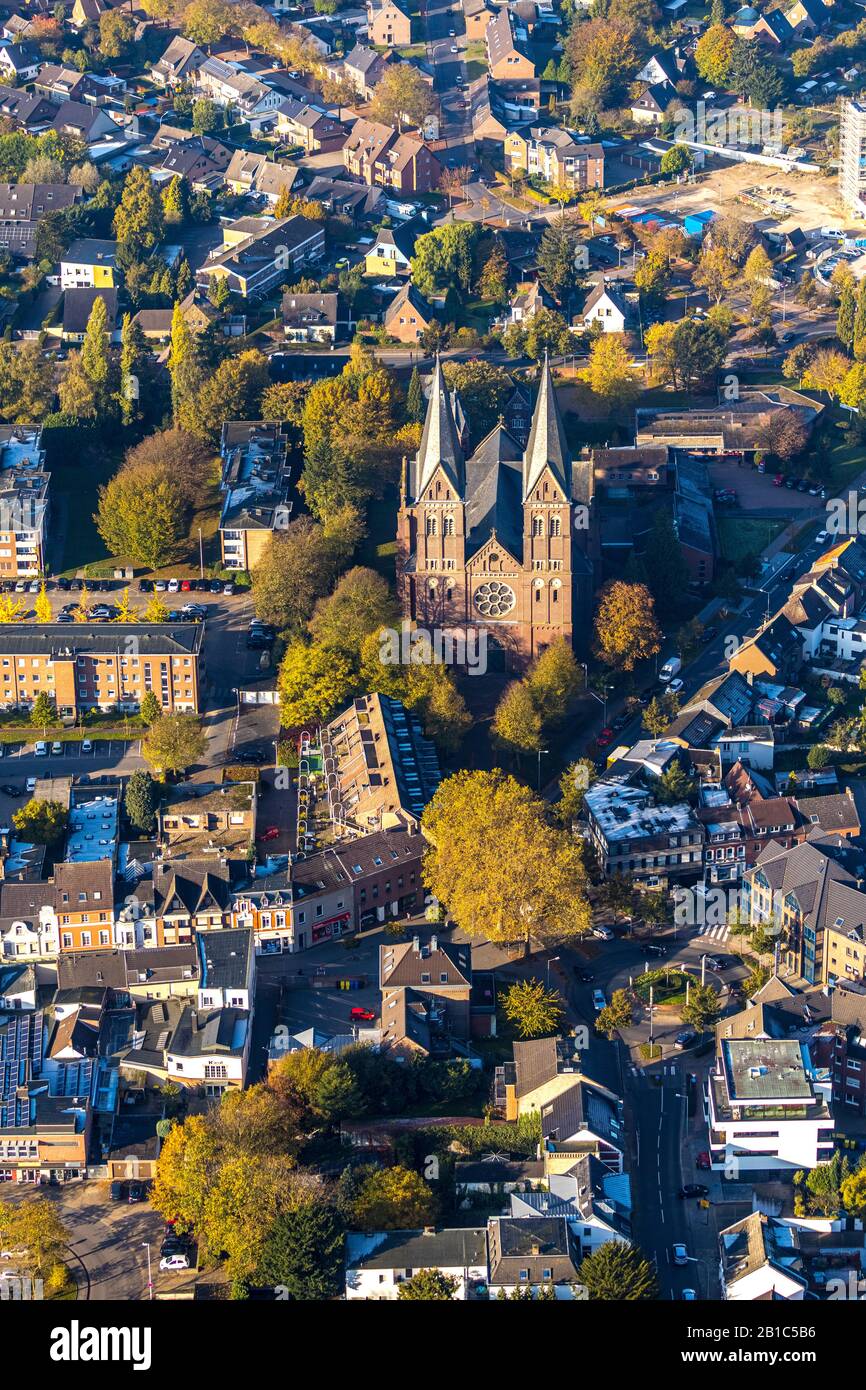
362 1015
136 1192
675 685
272 833
686 1038
679 1254
603 933
605 737
41 749
9 790
216 586
694 1189
228 588
57 748
703 1161
64 585
64 618
173 586
30 785
655 948
585 977
185 585
174 1262
117 1191
598 1000
86 745
145 586
248 755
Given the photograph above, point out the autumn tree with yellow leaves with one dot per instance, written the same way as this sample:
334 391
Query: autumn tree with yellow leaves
626 630
501 869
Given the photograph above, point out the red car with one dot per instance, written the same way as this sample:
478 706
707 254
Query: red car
272 833
362 1015
185 585
703 1160
605 737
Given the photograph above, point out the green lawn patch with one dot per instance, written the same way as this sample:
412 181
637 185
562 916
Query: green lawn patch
668 985
741 537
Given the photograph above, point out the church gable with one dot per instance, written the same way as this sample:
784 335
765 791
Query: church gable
493 558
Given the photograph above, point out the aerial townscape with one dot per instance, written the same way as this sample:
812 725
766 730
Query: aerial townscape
433 657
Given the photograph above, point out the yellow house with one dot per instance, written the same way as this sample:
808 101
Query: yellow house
89 264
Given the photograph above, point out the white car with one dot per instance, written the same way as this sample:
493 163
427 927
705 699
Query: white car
598 1000
675 685
9 1274
822 536
603 933
86 745
454 48
174 1262
31 785
57 748
173 586
41 750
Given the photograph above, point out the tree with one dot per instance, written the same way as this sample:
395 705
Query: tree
140 801
155 611
40 822
675 786
95 359
556 258
142 514
35 1225
574 783
76 394
825 1183
313 681
715 272
846 316
232 392
42 607
174 743
852 391
714 54
493 280
415 404
553 681
134 365
853 1192
138 219
393 1199
676 160
609 372
26 382
532 1010
818 757
618 1014
43 711
401 95
538 888
303 1253
703 1007
11 609
617 1272
297 567
206 21
625 625
517 722
431 1285
116 34
797 362
360 604
660 714
483 388
604 55
444 257
826 371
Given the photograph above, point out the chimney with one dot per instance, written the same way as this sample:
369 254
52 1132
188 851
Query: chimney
416 945
434 944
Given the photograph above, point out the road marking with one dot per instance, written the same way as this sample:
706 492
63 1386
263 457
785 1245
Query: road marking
717 933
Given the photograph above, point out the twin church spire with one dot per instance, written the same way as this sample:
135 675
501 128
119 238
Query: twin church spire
441 448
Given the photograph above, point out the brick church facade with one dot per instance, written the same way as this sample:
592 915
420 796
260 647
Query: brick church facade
504 538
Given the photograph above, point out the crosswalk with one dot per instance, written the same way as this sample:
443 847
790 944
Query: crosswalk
716 933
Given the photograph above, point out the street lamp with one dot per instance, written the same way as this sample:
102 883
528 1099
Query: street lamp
538 779
549 964
146 1244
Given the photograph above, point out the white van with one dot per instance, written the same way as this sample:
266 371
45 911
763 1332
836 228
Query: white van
41 750
671 668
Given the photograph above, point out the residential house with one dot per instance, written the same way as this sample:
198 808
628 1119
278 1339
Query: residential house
378 1263
802 891
477 14
24 502
255 173
28 112
776 651
23 205
89 264
770 28
761 1260
808 17
178 63
391 253
769 1108
632 835
385 769
45 1121
431 996
556 156
595 1202
670 66
257 487
363 69
506 59
408 315
387 25
607 306
277 254
60 84
532 1252
201 161
313 130
378 154
649 108
314 318
84 122
19 62
77 308
227 85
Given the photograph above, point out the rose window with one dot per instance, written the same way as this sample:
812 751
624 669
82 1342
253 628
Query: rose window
494 599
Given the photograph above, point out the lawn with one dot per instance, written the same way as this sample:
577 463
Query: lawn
379 549
669 986
74 486
841 462
741 537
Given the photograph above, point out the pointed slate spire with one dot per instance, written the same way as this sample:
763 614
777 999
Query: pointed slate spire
440 442
547 446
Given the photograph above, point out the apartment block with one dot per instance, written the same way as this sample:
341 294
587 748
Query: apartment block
101 667
24 505
258 493
852 155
